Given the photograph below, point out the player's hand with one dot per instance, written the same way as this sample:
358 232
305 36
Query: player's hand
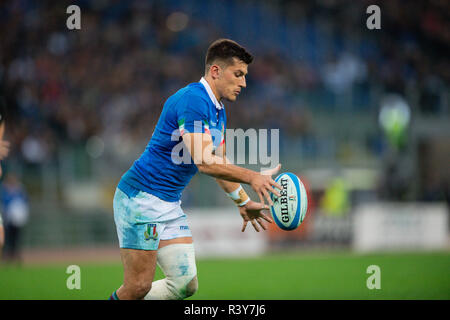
4 149
253 212
263 184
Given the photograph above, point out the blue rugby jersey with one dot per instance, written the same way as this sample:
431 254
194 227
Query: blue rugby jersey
193 108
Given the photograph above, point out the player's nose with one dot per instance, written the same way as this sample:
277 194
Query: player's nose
243 83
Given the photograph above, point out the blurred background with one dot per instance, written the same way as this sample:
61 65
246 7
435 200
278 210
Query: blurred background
363 118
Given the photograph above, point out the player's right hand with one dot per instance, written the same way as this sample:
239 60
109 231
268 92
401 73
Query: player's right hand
262 183
253 212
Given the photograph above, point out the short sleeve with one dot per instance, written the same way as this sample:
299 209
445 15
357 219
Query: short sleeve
193 115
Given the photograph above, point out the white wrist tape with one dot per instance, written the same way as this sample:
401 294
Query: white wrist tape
239 196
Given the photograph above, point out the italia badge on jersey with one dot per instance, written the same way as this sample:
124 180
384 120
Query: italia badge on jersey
151 232
206 126
181 126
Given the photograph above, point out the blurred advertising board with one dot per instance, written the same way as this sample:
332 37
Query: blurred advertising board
398 226
217 233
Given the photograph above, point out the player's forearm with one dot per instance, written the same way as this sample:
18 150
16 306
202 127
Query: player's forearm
2 129
227 186
234 191
200 147
226 171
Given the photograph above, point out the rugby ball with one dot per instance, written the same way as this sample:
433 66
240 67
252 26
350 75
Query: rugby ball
289 210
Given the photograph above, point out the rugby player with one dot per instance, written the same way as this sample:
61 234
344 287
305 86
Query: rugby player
4 150
151 225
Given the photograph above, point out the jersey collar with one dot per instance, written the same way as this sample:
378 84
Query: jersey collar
219 105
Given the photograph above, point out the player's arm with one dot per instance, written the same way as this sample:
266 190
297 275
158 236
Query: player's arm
228 186
249 210
233 190
200 147
2 131
4 145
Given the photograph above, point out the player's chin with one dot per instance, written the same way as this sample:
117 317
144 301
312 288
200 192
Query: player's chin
232 97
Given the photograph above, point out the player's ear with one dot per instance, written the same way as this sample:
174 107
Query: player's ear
214 71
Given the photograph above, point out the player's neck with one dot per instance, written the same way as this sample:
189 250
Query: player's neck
213 87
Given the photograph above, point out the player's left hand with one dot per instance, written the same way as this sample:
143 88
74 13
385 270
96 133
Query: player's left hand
253 212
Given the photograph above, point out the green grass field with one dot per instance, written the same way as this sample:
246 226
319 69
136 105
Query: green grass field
277 276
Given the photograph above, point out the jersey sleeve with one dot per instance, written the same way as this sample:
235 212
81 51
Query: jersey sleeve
193 116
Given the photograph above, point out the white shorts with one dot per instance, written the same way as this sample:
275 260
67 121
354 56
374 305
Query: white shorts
142 220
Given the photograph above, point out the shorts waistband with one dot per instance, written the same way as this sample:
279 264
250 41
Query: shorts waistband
130 191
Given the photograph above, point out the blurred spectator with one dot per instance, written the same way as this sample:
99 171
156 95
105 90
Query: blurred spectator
15 212
114 73
336 198
110 78
4 151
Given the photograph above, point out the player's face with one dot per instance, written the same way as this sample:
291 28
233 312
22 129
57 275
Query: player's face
232 80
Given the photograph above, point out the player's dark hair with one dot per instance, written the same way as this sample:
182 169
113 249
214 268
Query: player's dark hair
225 50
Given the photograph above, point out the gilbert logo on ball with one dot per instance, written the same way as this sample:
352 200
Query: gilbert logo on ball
289 210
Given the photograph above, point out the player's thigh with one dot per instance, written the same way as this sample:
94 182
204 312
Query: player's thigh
163 243
139 266
176 231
